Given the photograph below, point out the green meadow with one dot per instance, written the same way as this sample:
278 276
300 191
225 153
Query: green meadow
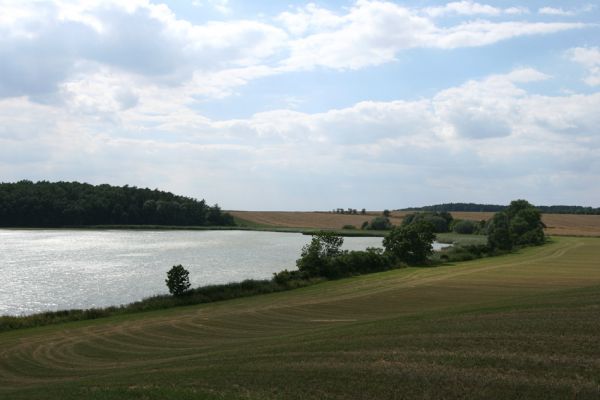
524 325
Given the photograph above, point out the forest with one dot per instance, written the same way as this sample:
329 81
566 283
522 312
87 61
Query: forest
474 207
59 204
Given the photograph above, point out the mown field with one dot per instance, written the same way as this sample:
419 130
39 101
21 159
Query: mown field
557 224
524 326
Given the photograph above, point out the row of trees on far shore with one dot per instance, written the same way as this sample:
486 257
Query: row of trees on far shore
48 204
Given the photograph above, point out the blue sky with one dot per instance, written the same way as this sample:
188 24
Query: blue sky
269 105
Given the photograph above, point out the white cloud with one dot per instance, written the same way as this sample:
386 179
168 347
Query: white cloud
468 7
561 12
472 138
221 6
588 57
481 33
310 18
47 44
110 91
44 44
374 32
556 11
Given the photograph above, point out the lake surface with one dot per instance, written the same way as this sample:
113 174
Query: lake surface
45 270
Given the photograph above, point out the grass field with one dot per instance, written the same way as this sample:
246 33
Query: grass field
524 326
557 224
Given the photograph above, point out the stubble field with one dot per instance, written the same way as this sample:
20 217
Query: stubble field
557 224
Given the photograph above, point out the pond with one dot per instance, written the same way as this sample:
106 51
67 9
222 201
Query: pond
59 269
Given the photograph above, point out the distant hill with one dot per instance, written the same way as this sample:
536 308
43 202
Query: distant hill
54 204
473 207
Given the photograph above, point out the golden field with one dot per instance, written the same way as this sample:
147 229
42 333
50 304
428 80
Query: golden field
557 224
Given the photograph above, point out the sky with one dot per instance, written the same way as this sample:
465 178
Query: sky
292 105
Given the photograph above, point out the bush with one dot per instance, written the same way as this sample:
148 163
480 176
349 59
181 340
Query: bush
359 262
348 227
411 244
178 280
379 224
440 221
467 252
465 227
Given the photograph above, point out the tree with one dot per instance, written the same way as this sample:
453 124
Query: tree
178 280
499 233
465 227
316 255
386 213
519 225
411 244
441 221
379 224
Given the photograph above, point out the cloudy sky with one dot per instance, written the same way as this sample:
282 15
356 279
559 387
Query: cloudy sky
288 105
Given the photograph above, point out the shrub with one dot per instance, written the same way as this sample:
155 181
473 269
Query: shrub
440 221
379 224
359 262
465 227
178 280
348 227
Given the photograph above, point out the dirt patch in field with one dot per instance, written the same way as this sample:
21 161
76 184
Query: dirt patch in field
557 224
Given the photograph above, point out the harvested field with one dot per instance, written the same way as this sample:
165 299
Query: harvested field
558 224
519 326
299 219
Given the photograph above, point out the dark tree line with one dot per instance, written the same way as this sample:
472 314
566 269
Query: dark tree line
53 204
472 207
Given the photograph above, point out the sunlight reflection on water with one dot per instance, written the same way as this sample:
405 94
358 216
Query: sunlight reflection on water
61 269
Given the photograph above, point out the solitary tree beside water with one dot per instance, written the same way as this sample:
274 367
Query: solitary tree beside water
178 280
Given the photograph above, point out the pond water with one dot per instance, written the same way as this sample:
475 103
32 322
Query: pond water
45 270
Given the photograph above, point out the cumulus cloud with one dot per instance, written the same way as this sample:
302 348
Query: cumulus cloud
109 91
374 32
46 45
588 57
473 136
43 44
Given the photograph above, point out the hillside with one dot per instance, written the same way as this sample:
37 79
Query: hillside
56 204
517 326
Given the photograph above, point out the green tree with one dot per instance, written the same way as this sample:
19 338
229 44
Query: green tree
412 243
316 255
386 213
440 220
178 280
499 232
520 225
465 227
379 224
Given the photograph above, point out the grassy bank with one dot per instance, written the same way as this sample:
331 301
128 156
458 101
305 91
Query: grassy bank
517 326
